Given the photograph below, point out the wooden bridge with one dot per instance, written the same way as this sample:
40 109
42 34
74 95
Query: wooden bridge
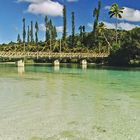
51 55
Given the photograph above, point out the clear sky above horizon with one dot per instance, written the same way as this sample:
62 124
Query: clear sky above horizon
12 12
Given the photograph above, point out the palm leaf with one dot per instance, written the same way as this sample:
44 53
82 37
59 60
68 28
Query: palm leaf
112 15
121 11
119 15
110 12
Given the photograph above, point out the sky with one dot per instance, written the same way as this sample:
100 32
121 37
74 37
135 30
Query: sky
12 12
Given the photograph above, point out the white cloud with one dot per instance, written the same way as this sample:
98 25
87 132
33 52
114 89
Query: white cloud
109 25
31 1
43 28
59 29
123 25
39 1
44 7
72 0
129 14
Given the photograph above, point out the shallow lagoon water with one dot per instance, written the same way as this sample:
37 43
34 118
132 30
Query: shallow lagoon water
41 102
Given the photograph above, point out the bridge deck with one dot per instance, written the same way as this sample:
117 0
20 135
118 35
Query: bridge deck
51 55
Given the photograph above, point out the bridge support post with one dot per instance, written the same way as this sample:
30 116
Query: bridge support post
20 63
56 63
84 62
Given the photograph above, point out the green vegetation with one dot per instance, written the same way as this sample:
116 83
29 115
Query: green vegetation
123 46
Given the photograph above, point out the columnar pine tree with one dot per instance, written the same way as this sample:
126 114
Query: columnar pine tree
24 32
50 28
36 32
73 29
18 39
84 31
28 36
96 14
81 32
54 32
32 33
64 24
47 35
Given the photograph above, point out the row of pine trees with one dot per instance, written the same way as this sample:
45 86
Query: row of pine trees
50 30
29 34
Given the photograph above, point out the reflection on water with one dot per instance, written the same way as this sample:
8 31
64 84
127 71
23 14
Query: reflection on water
84 66
56 68
21 70
70 104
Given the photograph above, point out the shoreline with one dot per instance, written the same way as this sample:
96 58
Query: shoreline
89 65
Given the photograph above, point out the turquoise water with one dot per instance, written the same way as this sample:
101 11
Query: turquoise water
41 102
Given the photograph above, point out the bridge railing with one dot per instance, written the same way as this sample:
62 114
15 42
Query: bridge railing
51 55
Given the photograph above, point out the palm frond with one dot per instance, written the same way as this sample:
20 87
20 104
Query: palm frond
110 12
112 15
119 15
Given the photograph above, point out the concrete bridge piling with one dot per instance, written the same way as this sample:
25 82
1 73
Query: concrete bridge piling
83 62
56 62
20 63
